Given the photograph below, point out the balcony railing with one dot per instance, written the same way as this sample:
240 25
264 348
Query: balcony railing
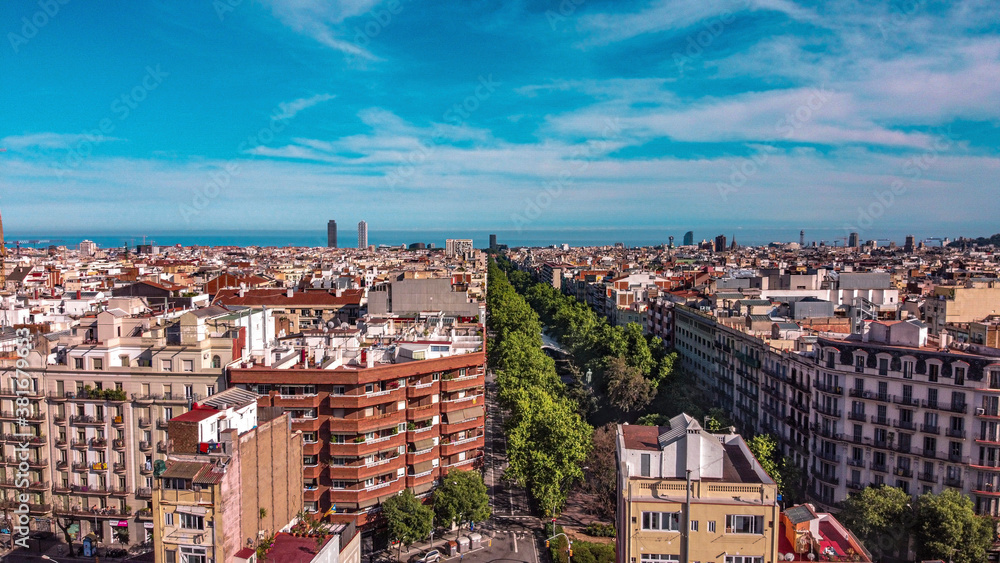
857 415
884 421
928 477
929 429
953 482
953 433
905 425
86 419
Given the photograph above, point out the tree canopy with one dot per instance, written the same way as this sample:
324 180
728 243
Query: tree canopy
461 498
409 519
947 528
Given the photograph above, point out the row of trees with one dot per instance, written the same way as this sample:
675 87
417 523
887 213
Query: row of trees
461 499
547 439
943 526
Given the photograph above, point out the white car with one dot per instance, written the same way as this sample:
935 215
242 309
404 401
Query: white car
432 556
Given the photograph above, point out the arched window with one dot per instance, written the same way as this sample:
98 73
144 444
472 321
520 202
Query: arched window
216 362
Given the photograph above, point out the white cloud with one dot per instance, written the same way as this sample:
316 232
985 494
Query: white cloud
50 140
324 21
292 108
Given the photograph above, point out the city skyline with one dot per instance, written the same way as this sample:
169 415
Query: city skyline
540 116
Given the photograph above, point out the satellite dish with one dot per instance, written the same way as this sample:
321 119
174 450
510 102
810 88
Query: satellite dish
812 556
789 556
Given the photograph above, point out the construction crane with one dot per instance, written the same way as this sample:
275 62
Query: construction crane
36 242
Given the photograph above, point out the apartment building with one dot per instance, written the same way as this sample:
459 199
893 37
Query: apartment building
395 405
688 495
231 477
952 304
100 397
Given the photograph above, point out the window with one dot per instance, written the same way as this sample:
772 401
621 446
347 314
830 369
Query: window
168 518
739 524
193 555
189 391
176 484
170 556
192 522
210 390
78 363
124 360
711 526
338 484
309 437
933 370
338 389
188 365
644 469
664 521
216 362
694 525
959 376
743 559
166 365
908 369
661 557
462 372
98 364
436 376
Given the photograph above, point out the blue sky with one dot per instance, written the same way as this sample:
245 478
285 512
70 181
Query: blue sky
500 114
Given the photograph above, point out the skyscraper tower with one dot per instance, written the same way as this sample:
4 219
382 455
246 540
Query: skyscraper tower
331 234
853 240
671 241
493 242
362 235
802 239
688 238
908 247
720 243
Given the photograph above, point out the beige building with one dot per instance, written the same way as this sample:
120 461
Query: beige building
732 515
230 480
100 396
952 304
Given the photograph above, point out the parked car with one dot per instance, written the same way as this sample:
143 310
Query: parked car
432 556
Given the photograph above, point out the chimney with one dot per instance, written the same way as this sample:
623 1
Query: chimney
78 294
289 293
242 291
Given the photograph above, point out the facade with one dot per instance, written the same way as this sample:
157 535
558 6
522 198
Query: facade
230 478
952 304
411 297
100 398
457 246
394 408
331 234
362 235
731 515
854 240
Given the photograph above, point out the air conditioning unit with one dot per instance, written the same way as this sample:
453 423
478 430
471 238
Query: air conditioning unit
980 411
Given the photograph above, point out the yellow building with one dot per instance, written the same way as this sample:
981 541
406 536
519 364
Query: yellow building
952 304
730 516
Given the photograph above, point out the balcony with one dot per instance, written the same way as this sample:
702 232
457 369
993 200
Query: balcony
903 472
415 390
145 446
953 433
365 400
827 410
359 493
359 470
955 482
33 441
986 489
906 401
858 416
118 420
118 444
880 420
79 444
927 477
144 492
902 448
829 478
87 420
13 391
831 457
828 388
880 467
146 468
905 425
93 512
931 453
302 401
452 448
144 422
98 442
351 448
162 424
459 383
30 417
928 429
161 447
118 467
367 424
19 484
958 407
856 462
958 458
144 514
855 485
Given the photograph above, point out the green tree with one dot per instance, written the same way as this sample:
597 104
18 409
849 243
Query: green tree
628 390
653 419
409 519
461 498
547 442
765 448
880 517
717 420
602 479
947 528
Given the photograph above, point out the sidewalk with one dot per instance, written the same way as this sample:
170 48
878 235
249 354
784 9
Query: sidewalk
441 545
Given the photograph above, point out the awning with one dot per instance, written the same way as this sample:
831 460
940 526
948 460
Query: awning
463 414
421 445
423 466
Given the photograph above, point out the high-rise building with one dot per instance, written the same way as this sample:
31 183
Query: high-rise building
909 243
493 242
362 235
802 239
688 238
854 240
720 243
331 234
457 246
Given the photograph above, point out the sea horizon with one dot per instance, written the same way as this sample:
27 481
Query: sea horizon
573 236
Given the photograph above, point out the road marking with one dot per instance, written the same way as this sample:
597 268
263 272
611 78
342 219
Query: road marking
515 542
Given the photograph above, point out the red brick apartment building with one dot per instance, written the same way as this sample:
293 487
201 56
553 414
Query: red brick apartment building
378 414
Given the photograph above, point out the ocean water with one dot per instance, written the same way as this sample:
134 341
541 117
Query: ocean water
537 237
